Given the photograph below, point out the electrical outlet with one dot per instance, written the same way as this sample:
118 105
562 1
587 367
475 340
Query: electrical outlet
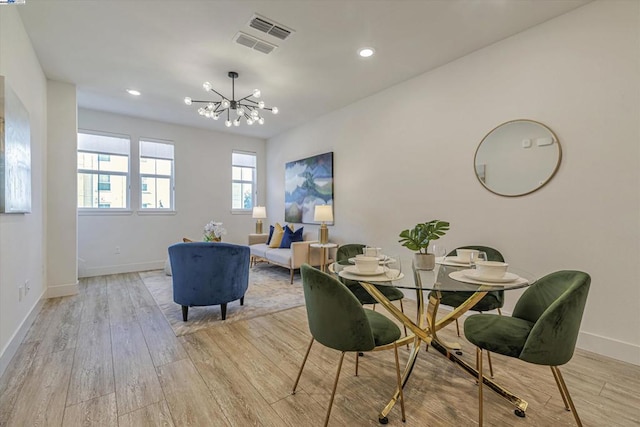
117 250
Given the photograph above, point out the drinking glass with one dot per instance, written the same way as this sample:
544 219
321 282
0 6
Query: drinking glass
392 266
439 251
475 257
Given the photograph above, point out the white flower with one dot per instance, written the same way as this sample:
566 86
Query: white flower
214 230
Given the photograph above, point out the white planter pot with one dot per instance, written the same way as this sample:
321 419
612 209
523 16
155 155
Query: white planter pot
425 261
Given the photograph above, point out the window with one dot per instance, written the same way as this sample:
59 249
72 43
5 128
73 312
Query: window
103 171
156 175
243 187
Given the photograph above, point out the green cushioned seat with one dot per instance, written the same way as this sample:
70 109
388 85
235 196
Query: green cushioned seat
338 320
384 330
543 329
342 257
513 332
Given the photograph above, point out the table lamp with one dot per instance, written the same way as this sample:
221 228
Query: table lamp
260 213
323 213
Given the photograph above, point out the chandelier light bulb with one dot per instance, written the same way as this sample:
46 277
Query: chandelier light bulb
240 111
225 103
254 113
210 106
187 100
261 120
201 111
206 86
261 105
227 124
274 110
249 122
236 122
216 116
257 93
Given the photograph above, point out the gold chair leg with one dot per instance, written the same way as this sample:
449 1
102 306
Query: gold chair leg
292 270
564 398
302 367
490 365
457 327
479 361
395 349
499 312
563 386
357 359
333 393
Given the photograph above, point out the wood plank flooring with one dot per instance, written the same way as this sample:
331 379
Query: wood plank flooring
107 357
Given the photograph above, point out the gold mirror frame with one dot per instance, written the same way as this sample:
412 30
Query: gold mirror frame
533 133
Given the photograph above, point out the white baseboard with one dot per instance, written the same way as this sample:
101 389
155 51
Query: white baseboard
121 268
619 350
62 290
14 343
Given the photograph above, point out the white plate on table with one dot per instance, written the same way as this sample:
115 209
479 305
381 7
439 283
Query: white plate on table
472 276
453 261
352 269
359 277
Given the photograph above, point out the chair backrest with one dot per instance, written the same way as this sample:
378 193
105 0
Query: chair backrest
349 251
209 273
336 317
492 254
555 303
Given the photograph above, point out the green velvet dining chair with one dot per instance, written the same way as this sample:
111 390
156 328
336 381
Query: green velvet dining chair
493 300
338 320
350 250
543 328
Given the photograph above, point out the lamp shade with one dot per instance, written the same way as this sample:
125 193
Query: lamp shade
259 212
323 213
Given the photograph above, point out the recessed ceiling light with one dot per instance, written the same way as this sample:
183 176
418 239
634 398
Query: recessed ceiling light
366 52
133 92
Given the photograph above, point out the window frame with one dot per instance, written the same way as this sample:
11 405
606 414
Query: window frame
97 173
254 182
172 180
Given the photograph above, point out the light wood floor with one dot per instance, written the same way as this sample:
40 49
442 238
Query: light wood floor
108 357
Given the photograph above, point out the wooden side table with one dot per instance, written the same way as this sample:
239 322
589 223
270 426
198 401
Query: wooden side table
324 247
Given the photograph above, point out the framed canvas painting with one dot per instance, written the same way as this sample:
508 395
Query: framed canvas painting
15 153
308 182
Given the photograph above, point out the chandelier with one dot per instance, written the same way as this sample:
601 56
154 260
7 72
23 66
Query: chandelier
244 108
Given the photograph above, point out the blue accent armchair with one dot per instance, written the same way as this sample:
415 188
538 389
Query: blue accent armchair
209 273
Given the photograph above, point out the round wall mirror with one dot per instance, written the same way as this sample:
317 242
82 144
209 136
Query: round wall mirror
517 158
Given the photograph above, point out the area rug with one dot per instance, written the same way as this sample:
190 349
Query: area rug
269 292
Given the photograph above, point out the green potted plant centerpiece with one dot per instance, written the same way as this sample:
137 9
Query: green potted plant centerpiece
418 238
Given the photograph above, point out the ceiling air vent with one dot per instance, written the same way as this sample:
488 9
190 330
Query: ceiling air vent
254 43
270 27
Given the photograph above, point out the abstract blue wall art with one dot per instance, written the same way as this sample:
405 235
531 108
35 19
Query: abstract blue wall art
308 182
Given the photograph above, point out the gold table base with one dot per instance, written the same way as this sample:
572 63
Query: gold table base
425 330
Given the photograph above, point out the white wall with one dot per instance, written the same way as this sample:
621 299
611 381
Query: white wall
203 193
62 229
22 236
405 155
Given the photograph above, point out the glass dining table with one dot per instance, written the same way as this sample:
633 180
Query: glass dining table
447 276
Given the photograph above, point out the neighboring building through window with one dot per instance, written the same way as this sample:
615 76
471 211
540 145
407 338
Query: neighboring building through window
156 175
103 171
243 187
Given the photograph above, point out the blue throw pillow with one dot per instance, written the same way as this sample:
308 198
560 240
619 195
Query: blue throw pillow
291 236
270 234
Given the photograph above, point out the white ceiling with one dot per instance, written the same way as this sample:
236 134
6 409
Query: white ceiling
168 48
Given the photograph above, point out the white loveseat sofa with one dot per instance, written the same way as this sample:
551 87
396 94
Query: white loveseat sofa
291 258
